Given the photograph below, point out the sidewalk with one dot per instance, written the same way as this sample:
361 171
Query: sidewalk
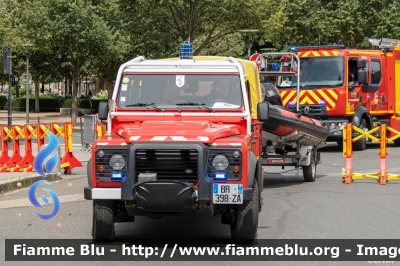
19 118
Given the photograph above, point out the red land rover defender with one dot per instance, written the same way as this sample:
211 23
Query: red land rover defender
183 139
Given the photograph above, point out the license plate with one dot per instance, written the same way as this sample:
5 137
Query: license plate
227 193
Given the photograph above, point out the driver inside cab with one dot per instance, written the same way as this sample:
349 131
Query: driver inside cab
223 91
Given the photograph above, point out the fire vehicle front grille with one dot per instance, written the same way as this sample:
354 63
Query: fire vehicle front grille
169 164
317 111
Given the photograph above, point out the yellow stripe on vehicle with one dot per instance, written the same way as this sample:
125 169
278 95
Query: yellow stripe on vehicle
288 97
306 100
315 96
316 53
326 53
333 93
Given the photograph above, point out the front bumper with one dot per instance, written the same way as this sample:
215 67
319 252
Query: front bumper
162 196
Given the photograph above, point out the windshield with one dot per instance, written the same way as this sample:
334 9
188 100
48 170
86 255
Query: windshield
180 91
317 72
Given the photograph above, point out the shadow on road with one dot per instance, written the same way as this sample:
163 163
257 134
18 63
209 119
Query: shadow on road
333 147
278 181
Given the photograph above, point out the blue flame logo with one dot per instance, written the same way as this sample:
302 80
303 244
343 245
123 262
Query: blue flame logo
50 165
49 149
34 201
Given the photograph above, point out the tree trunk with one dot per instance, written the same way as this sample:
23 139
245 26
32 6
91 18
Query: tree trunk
74 92
36 84
70 86
101 85
65 86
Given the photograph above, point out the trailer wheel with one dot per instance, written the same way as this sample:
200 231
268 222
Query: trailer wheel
397 142
361 144
103 219
244 224
309 172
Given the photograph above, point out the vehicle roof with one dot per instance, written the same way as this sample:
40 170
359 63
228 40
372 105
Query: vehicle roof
219 63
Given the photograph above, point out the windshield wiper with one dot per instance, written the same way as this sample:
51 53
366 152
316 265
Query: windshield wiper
196 104
145 105
317 86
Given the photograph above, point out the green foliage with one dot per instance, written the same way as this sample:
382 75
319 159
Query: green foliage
101 95
83 38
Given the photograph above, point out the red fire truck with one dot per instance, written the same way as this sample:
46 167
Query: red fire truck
341 85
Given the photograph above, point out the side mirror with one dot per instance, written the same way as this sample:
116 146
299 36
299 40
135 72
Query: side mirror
361 63
263 111
362 77
103 110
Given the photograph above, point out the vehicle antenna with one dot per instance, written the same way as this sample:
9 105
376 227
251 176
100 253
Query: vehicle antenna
190 19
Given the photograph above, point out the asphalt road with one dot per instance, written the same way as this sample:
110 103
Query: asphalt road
293 209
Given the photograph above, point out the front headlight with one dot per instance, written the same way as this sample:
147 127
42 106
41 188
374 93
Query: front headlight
220 162
332 126
117 162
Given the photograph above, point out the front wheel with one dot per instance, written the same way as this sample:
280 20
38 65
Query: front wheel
103 219
309 172
244 224
397 142
361 144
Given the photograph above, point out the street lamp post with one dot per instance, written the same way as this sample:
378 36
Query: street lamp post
249 35
10 95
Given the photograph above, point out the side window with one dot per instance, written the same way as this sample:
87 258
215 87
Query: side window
376 75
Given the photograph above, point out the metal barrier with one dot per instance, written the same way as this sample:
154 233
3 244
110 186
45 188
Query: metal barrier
89 134
382 176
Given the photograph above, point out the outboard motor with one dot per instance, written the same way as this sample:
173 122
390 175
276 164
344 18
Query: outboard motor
272 94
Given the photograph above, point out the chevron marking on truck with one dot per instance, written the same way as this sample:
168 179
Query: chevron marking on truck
318 53
329 96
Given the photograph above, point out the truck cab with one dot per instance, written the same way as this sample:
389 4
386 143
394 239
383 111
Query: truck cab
341 85
183 139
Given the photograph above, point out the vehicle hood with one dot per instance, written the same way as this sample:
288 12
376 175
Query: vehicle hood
176 131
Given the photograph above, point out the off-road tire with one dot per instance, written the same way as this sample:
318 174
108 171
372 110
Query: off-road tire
260 184
89 171
103 219
245 221
310 171
361 144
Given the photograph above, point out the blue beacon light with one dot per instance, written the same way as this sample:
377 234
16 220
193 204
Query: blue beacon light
220 176
117 176
186 51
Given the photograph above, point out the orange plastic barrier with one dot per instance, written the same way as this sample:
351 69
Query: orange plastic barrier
68 161
100 130
5 136
12 164
16 163
26 163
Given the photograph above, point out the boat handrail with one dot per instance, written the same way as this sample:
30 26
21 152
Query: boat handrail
284 73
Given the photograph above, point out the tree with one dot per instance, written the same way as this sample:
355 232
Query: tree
161 25
78 34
